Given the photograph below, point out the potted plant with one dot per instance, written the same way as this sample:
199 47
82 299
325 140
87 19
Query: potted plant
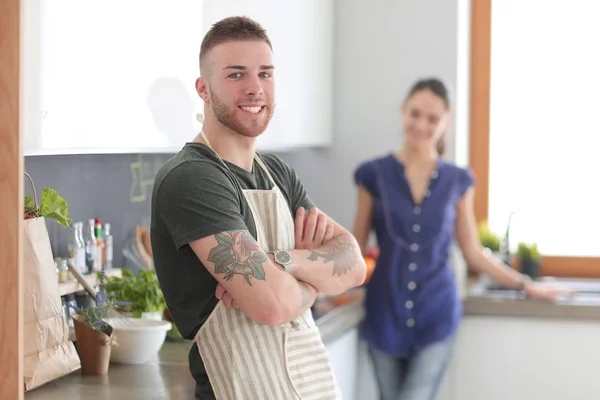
142 292
529 259
487 238
94 334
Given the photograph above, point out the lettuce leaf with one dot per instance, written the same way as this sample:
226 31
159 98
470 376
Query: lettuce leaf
52 206
55 207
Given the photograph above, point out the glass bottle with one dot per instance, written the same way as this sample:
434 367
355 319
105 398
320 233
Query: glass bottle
90 247
77 248
108 246
99 261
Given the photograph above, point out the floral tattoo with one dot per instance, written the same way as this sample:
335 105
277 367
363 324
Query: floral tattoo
237 253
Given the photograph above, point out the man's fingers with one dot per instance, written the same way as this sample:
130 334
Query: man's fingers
311 225
227 300
328 231
219 291
321 229
299 224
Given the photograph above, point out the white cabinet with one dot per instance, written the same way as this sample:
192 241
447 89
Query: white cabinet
118 76
367 387
524 359
343 354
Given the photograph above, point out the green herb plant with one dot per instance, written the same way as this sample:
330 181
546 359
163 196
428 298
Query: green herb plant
528 252
487 238
142 292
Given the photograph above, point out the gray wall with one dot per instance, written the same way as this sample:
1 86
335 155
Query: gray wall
382 46
115 188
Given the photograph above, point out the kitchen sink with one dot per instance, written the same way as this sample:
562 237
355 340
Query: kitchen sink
587 290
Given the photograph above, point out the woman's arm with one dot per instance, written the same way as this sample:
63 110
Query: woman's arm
363 219
468 240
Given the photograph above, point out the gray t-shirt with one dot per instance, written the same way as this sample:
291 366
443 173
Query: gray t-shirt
195 196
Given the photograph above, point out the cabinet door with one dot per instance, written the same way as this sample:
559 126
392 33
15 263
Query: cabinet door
114 76
131 88
526 358
366 382
343 354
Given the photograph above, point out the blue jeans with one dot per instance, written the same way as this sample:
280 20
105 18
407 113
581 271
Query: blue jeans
414 378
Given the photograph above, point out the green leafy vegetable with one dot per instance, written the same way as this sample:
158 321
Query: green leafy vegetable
53 206
142 291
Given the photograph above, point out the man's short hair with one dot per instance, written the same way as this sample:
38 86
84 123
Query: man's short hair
227 30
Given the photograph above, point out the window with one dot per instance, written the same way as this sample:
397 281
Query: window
535 86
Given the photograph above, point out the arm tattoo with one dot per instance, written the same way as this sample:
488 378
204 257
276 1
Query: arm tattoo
237 253
340 250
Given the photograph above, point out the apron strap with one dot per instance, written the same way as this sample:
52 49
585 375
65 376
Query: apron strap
256 157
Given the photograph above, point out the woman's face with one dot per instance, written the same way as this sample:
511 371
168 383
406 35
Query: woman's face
425 118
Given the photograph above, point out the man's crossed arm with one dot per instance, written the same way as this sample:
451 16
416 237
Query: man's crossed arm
253 282
332 263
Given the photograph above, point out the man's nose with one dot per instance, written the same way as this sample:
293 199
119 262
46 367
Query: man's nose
254 87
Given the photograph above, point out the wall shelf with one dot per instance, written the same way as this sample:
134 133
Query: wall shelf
73 286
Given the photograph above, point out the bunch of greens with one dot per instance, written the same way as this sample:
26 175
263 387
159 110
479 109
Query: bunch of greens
528 252
95 317
53 206
142 292
488 238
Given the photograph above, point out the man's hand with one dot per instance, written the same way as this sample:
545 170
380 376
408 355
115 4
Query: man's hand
222 295
313 229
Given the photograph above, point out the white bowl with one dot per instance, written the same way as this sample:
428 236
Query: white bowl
138 339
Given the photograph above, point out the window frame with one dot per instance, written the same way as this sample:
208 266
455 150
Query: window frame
479 140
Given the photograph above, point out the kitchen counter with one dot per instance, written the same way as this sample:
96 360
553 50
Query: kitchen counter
585 305
338 321
167 376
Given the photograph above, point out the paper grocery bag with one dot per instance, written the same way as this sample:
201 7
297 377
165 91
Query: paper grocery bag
48 352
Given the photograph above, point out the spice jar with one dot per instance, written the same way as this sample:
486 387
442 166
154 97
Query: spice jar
63 270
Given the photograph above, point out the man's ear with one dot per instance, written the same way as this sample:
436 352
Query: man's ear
202 89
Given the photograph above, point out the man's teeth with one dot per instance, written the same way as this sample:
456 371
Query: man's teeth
253 110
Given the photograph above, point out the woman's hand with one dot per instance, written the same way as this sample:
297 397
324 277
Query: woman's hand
546 292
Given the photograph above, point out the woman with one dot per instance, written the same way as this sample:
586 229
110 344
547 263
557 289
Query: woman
416 201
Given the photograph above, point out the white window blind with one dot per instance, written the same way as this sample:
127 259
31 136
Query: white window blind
544 130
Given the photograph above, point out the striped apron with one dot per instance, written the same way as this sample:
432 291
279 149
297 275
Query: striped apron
245 360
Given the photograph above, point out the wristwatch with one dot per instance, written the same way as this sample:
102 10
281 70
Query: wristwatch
284 258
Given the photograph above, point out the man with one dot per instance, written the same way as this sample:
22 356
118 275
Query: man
238 272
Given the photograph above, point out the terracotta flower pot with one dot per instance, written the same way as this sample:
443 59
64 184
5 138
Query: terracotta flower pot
94 347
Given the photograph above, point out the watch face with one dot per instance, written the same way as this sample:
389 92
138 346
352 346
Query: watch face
283 257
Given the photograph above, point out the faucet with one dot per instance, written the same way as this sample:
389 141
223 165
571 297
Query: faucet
505 243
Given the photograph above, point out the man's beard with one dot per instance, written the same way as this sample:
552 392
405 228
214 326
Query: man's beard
226 116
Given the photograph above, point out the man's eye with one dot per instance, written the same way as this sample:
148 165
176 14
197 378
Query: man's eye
235 75
265 75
